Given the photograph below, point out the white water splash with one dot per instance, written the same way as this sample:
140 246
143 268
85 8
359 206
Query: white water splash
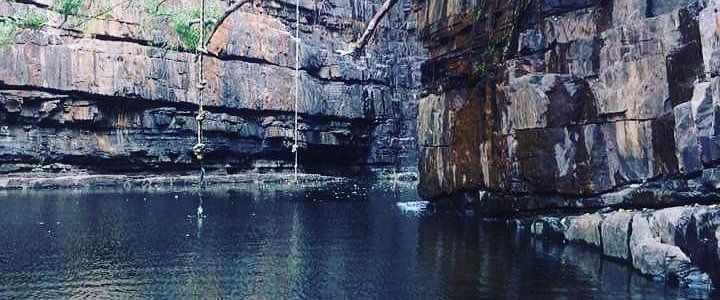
413 207
200 218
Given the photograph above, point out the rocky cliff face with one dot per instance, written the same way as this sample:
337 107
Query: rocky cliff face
541 103
101 97
588 97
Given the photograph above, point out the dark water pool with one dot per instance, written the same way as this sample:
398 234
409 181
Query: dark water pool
274 242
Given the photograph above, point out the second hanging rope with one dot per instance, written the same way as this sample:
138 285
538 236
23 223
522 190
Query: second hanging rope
295 146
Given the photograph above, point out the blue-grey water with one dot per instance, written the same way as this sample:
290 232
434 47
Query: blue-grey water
341 241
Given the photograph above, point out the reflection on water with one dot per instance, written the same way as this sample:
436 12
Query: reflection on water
272 242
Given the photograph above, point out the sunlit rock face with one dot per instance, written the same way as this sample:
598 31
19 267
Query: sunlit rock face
591 97
102 97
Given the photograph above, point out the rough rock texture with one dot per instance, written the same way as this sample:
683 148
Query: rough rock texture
676 244
616 230
585 228
549 227
101 98
587 98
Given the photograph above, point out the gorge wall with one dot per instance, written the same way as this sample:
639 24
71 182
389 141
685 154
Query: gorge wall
516 105
103 98
570 103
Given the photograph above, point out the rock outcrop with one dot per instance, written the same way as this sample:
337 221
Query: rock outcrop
567 104
679 244
103 98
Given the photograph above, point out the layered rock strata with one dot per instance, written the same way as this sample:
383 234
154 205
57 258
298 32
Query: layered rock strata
587 98
103 98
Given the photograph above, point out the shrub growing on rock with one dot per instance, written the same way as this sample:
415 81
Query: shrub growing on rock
67 7
27 19
177 27
8 31
30 19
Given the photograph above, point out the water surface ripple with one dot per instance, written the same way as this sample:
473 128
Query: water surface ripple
343 241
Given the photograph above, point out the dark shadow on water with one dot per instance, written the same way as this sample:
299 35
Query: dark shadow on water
270 242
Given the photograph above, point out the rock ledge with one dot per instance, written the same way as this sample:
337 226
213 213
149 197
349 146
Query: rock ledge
679 245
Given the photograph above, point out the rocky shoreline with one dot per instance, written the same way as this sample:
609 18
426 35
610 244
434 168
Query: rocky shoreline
702 187
679 245
81 179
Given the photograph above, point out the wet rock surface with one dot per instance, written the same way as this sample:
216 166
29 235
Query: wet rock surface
677 244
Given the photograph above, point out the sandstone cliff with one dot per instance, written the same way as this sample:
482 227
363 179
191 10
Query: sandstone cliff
586 98
104 98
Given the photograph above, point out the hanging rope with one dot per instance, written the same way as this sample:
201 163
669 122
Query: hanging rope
199 148
297 84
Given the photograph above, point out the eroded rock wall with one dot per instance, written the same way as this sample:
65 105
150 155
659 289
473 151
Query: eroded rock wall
591 97
102 97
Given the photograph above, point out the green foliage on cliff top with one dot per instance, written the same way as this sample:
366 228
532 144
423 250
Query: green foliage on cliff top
77 13
30 19
172 25
8 31
10 27
67 7
481 69
74 12
102 9
187 34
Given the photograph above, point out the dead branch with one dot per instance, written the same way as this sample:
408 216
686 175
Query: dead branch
224 16
372 25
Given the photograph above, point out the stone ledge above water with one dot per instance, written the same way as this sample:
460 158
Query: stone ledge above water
679 245
699 187
144 181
